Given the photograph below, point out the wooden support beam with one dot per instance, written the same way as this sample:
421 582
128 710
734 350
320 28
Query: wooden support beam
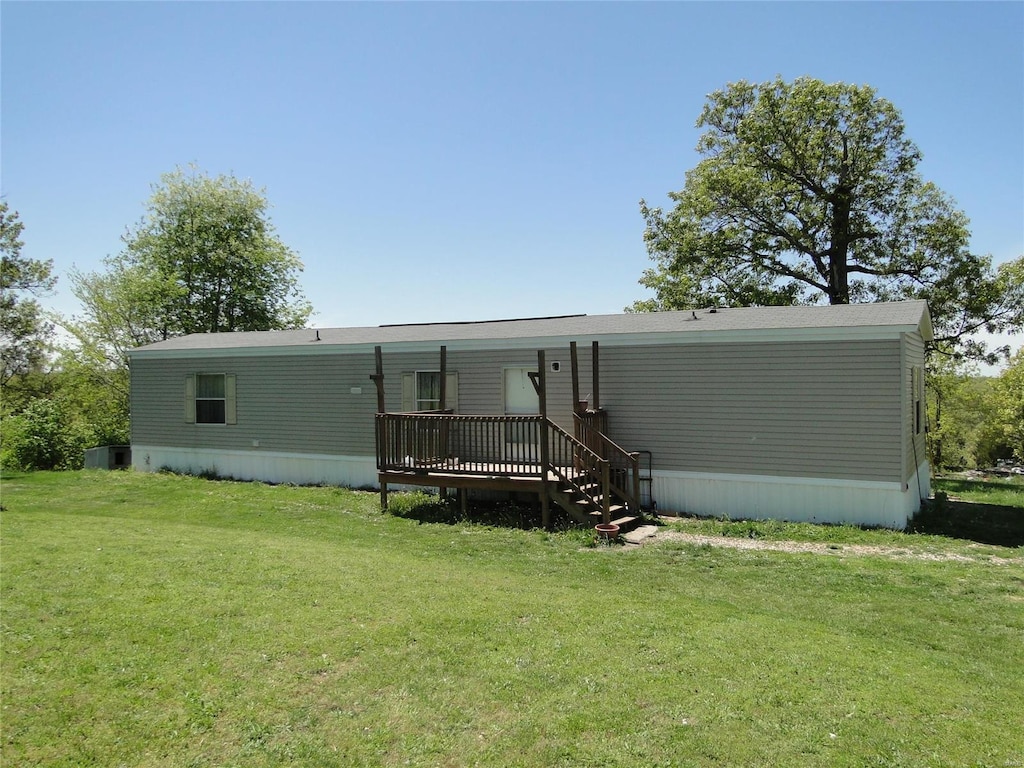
381 431
596 405
542 384
442 492
534 378
378 378
545 448
575 363
444 378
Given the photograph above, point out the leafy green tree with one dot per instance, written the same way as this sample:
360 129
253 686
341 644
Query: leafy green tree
809 192
1009 404
46 435
24 331
125 307
204 259
961 410
95 393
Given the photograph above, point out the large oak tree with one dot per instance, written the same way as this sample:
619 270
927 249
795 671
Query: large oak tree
808 193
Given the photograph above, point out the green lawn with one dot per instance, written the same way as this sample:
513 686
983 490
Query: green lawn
156 620
1008 491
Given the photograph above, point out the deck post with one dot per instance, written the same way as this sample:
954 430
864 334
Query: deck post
378 378
381 432
635 466
444 378
442 492
595 366
545 449
606 516
575 362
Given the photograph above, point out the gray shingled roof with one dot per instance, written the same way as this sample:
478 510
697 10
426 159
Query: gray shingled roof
908 315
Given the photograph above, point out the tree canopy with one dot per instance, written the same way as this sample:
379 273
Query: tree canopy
24 331
204 259
809 192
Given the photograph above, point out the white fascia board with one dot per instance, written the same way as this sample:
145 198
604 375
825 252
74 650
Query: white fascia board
865 333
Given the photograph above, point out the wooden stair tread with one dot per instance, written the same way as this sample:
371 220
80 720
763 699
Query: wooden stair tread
614 509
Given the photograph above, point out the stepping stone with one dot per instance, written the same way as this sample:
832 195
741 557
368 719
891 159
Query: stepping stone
637 535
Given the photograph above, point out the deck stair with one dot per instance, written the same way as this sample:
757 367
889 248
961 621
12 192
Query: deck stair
583 500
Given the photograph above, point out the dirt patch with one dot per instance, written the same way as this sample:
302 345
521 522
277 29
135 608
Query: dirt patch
820 548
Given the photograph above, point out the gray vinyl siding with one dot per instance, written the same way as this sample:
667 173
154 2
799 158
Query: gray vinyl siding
809 409
284 403
806 409
306 404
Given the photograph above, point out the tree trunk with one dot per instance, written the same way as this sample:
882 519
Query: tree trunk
842 200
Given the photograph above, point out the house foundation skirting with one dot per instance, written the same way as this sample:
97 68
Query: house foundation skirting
796 499
268 466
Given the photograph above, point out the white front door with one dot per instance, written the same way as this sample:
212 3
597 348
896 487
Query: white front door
520 400
520 396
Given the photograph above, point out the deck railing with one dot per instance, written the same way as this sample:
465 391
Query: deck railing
439 441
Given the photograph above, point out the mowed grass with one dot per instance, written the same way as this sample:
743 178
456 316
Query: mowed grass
156 620
1004 491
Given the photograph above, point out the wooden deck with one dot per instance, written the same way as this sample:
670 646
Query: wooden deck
586 474
506 453
454 473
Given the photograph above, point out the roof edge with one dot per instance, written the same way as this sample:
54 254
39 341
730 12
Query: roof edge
867 333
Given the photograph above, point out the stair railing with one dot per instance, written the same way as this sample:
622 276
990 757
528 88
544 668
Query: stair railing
624 465
581 468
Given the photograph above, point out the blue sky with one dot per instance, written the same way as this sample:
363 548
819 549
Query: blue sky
457 161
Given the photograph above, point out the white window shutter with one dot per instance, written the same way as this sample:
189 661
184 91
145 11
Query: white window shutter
408 392
451 393
230 412
190 399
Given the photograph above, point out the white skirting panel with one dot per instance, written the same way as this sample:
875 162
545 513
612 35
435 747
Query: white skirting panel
796 499
272 467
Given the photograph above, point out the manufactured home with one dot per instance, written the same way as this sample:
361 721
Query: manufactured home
795 413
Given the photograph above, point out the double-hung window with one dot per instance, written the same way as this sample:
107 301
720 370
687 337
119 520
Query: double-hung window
428 390
421 391
210 398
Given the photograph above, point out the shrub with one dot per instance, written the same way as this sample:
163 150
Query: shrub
45 435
